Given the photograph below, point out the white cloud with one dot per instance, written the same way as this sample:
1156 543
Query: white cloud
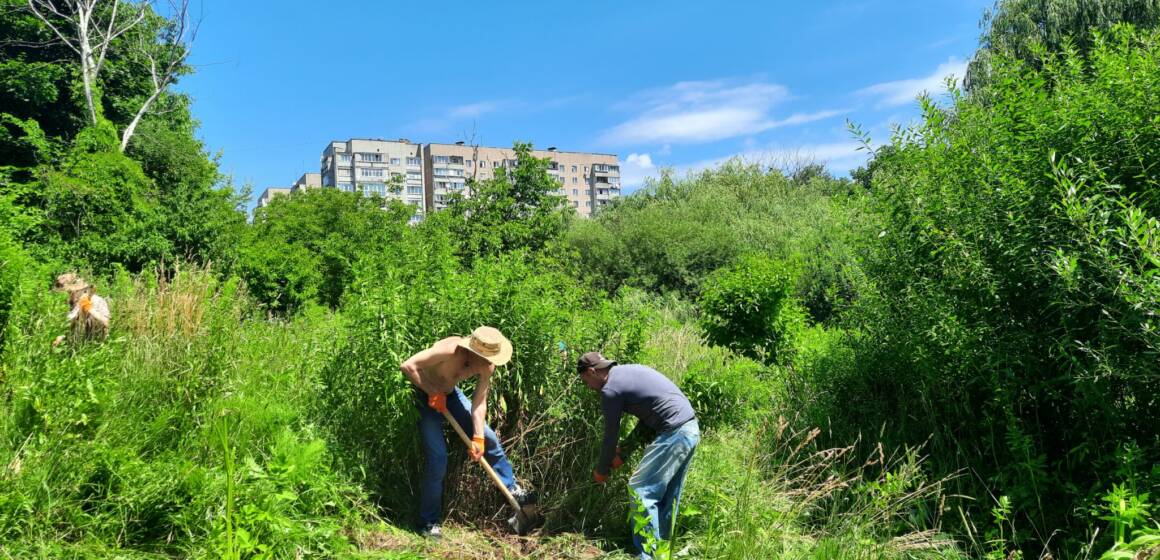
473 110
706 111
634 169
901 92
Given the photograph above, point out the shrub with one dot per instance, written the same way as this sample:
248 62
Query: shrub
749 308
1015 311
404 302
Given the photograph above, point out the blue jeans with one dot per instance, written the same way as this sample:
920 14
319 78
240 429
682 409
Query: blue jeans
435 450
659 478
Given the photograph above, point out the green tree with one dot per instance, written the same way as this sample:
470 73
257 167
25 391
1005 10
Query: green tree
99 207
304 247
1022 29
203 217
192 214
519 208
1014 316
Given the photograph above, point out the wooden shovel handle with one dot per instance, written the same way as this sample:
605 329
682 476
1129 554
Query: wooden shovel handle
483 462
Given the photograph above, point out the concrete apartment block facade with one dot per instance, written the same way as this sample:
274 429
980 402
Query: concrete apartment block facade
426 175
586 180
269 194
392 169
307 181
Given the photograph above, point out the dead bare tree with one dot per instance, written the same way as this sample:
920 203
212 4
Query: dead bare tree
90 38
165 60
92 34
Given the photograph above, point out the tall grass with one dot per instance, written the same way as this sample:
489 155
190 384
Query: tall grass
202 429
187 432
762 486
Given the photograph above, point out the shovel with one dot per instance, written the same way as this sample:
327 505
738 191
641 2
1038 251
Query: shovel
526 517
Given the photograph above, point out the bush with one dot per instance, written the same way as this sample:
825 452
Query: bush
749 308
1015 311
670 235
404 302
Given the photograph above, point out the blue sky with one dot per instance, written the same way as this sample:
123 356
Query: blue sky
662 84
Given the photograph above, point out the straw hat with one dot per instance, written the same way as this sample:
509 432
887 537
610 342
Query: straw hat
70 283
488 343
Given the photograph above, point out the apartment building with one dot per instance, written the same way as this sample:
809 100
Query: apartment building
392 169
307 181
586 180
269 194
426 175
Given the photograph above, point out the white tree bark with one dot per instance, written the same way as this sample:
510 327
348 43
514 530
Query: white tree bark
91 39
163 73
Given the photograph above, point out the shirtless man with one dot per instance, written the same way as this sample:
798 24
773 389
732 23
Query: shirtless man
435 372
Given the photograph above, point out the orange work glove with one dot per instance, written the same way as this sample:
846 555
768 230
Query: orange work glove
617 462
438 402
599 478
476 450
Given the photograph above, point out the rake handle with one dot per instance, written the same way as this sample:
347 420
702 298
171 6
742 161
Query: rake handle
483 462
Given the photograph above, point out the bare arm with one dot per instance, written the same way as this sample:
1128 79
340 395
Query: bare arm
413 367
479 403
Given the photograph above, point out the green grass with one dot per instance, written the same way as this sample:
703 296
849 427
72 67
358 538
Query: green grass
194 432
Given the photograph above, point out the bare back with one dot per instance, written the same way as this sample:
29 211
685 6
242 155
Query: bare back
445 364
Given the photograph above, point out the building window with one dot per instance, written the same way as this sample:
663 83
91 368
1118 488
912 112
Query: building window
494 164
585 169
573 180
413 161
573 169
414 190
414 176
369 189
346 187
614 180
588 203
377 158
364 172
575 204
344 158
396 161
442 159
468 162
575 192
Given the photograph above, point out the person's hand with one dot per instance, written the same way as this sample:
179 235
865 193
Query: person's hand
599 478
56 341
438 401
476 450
617 462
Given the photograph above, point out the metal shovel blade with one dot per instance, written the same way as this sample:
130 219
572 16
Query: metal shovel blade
526 519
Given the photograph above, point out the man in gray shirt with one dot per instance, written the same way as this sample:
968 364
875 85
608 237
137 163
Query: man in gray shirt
661 407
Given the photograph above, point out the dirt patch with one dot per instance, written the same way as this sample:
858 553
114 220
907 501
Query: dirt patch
461 543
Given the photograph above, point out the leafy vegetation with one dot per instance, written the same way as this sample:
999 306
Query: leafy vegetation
951 355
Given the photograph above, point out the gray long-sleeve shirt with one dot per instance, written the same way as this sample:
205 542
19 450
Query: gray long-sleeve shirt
642 392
